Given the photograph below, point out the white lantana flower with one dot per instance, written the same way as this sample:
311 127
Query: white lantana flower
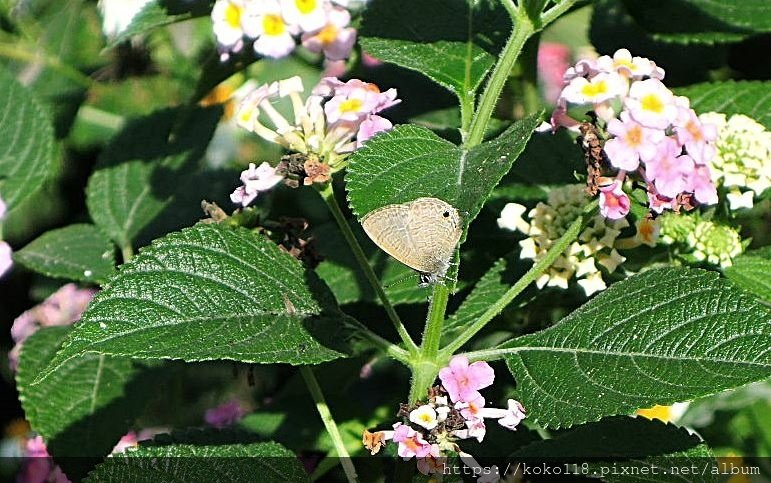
275 35
424 416
549 221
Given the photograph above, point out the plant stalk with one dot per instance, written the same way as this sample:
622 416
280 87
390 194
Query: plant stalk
329 423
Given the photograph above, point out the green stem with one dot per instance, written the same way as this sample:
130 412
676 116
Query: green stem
392 350
329 423
32 55
554 13
522 30
328 194
432 334
127 252
535 271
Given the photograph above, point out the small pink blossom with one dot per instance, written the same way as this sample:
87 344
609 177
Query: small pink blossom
255 179
697 138
583 68
335 39
433 462
463 380
658 202
411 443
669 170
623 63
39 467
614 203
470 410
651 104
475 428
632 143
370 126
514 415
226 414
700 182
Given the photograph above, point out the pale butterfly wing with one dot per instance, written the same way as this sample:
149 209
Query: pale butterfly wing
421 234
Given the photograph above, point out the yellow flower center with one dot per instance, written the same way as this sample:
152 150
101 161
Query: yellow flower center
626 63
273 25
233 15
634 136
426 418
652 102
328 34
351 105
305 6
594 90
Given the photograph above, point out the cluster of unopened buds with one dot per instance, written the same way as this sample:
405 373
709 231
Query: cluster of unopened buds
335 120
274 26
655 139
454 411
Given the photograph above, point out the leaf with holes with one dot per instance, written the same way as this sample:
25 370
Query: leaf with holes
75 252
139 173
202 461
662 336
26 142
729 97
206 293
451 42
86 405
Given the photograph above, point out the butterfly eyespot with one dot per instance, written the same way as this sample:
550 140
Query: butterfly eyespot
446 214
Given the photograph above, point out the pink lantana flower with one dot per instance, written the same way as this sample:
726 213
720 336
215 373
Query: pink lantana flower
411 443
255 179
626 65
226 414
697 138
335 39
632 143
370 126
651 104
433 462
669 170
700 181
614 203
463 380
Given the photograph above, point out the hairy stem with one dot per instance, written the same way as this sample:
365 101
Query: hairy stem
328 194
535 271
329 423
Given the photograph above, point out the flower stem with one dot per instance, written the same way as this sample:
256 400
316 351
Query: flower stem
522 30
535 271
127 252
329 423
328 194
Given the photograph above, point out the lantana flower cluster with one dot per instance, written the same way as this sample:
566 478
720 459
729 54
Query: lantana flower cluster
326 128
454 411
703 239
656 138
741 164
63 307
593 249
275 25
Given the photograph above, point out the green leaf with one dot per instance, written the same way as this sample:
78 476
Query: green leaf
450 42
26 142
75 252
138 175
708 21
269 462
411 161
644 448
86 405
752 272
158 13
730 97
207 293
659 337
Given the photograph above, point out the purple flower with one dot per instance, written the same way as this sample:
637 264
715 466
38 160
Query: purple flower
225 414
463 380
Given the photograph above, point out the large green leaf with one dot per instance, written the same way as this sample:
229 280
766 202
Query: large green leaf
140 172
730 97
86 405
634 449
158 13
450 42
411 161
707 21
26 142
75 252
752 272
210 292
663 336
269 462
